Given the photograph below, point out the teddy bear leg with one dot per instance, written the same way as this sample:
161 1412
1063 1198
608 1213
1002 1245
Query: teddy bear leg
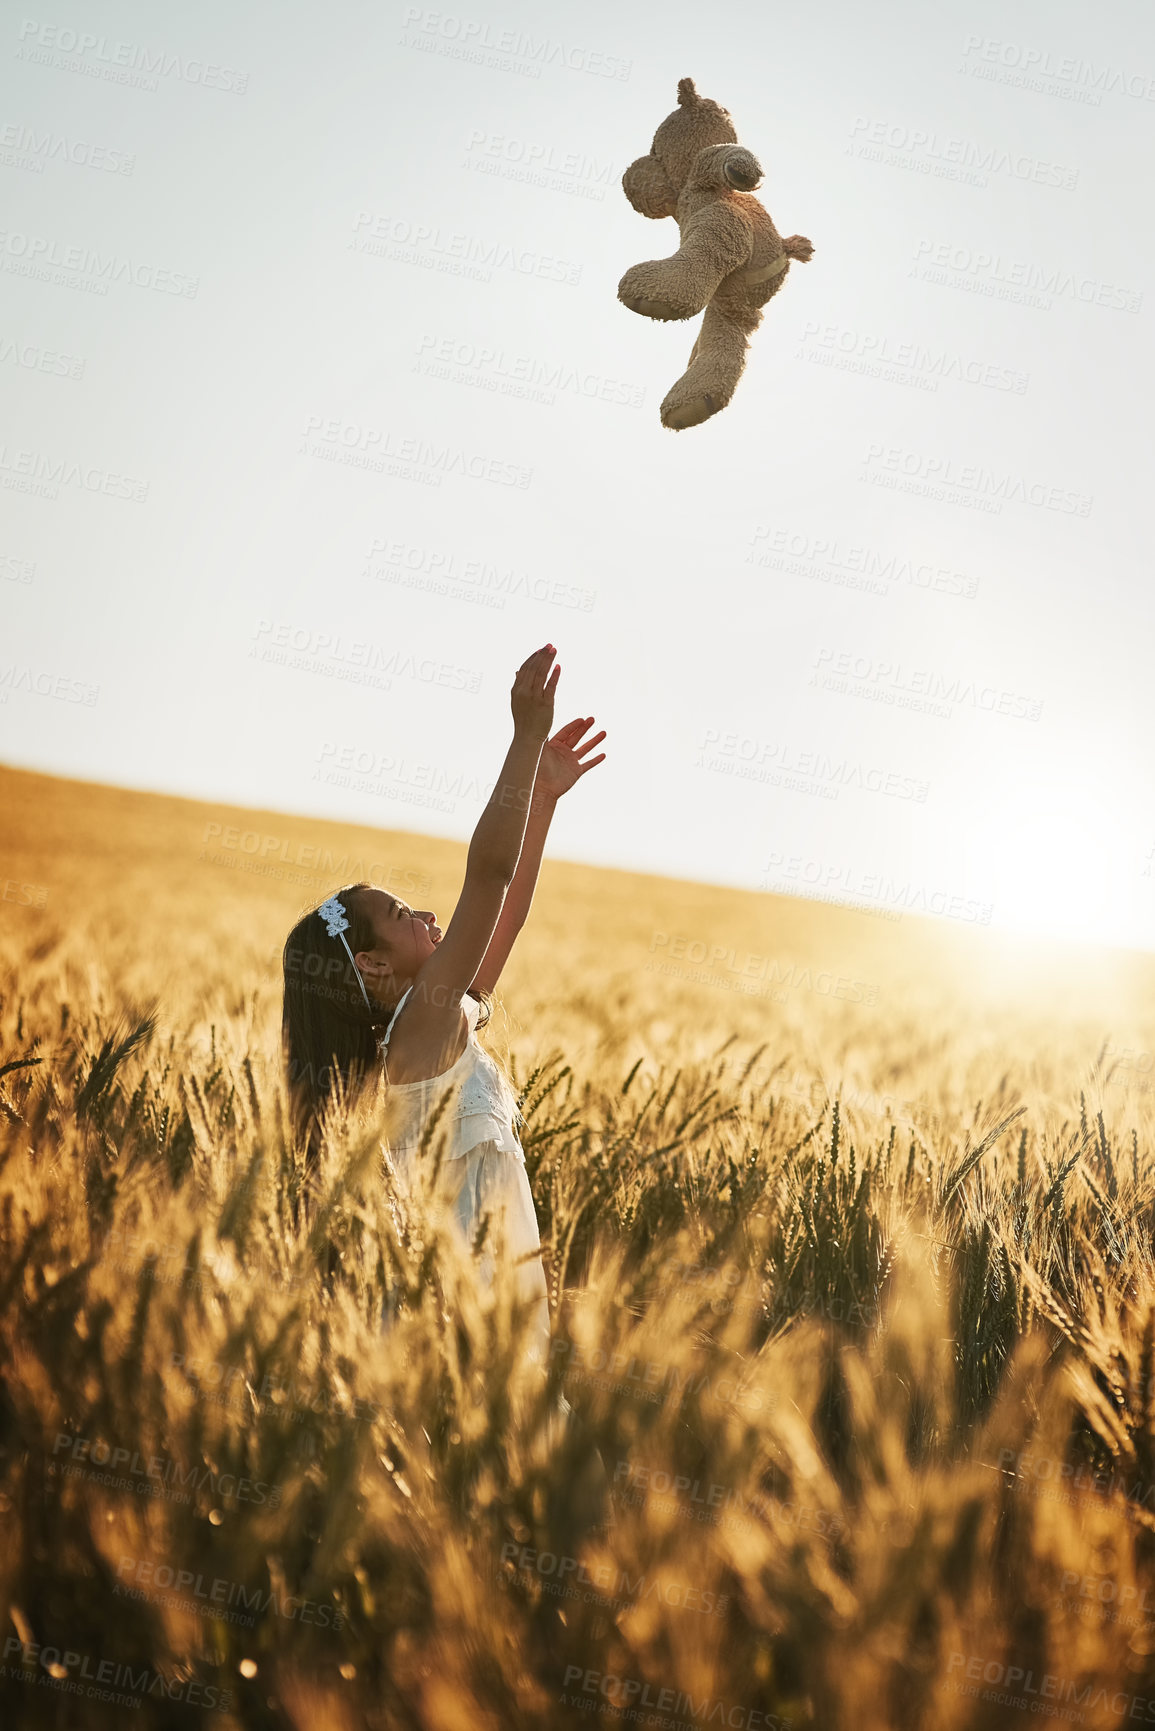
716 364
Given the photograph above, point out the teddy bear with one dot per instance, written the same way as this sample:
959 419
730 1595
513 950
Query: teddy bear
731 261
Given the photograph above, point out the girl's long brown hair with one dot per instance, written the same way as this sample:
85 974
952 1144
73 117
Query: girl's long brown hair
330 1037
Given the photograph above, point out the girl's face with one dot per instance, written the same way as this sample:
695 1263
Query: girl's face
406 938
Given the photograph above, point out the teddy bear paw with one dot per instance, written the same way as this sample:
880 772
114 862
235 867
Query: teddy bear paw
656 309
643 291
689 411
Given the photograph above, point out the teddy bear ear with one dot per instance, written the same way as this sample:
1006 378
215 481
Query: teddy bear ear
742 169
686 92
718 167
647 186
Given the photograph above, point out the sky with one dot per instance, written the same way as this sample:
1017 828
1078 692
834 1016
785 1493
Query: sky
319 413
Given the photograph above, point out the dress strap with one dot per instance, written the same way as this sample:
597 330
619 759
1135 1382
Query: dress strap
393 1017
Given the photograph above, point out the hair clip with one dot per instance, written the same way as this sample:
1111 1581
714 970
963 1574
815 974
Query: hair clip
333 914
336 923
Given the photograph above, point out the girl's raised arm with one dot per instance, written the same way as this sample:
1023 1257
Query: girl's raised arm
493 850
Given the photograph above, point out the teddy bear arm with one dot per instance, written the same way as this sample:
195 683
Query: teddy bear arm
716 242
720 235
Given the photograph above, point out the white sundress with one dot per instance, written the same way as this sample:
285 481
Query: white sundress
483 1146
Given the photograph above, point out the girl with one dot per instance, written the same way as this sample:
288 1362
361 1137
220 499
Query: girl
374 991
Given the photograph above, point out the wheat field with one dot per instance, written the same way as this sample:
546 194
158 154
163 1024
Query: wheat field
848 1228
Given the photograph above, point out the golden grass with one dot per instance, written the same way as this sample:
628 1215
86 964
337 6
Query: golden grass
850 1256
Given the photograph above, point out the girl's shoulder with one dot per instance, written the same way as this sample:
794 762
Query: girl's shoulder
400 1055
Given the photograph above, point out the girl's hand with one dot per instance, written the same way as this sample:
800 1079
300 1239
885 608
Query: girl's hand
531 698
561 758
